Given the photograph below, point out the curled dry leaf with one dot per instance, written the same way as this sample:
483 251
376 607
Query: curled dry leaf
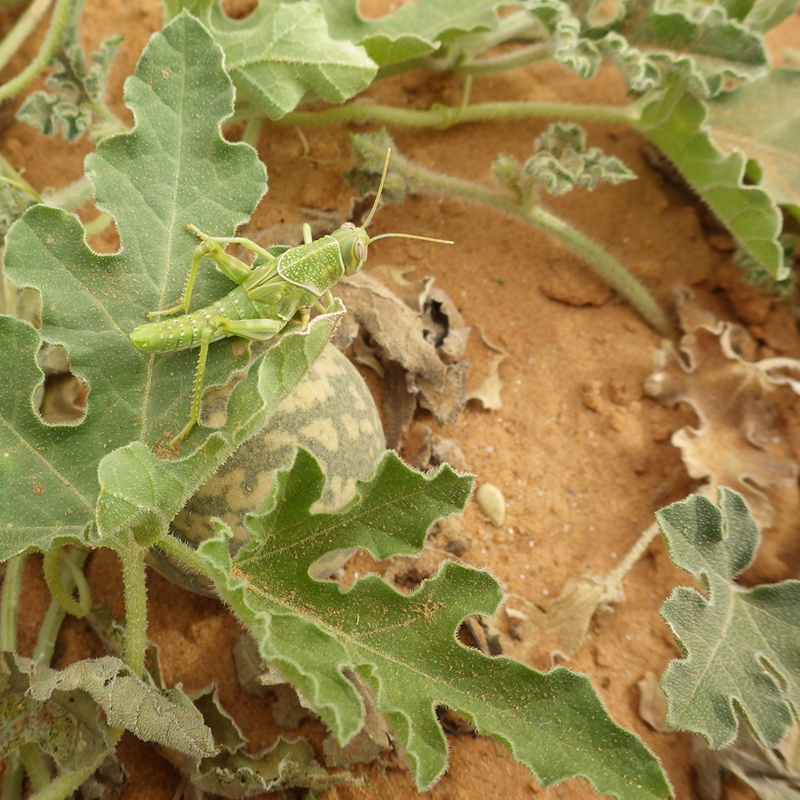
419 352
772 773
568 617
488 393
374 739
735 443
652 702
561 627
435 449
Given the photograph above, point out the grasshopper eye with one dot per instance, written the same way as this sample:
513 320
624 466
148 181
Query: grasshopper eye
348 225
360 250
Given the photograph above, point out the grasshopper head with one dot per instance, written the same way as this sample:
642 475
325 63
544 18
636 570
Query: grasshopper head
353 244
353 241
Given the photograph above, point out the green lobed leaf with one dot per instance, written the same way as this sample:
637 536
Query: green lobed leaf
172 169
760 121
653 39
404 646
561 161
414 30
741 646
676 123
766 14
280 55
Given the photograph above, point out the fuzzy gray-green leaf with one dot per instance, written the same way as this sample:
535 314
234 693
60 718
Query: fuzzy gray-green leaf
741 646
153 715
282 54
651 40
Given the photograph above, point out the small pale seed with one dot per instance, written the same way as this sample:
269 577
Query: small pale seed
492 503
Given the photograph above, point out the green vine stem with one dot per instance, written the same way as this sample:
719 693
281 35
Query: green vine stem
58 22
22 29
9 601
440 116
13 776
34 764
133 578
516 58
606 266
51 566
46 640
183 554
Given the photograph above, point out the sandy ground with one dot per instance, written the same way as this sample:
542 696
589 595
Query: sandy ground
581 454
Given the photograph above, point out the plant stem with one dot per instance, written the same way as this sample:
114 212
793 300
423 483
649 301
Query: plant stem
34 765
13 775
603 264
9 601
516 58
445 116
133 577
57 24
252 131
72 196
22 29
58 585
633 555
46 640
606 266
182 553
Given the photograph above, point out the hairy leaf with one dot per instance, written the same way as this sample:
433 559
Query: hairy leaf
766 14
280 55
404 646
414 30
80 89
59 710
741 646
760 121
172 169
676 122
561 161
653 39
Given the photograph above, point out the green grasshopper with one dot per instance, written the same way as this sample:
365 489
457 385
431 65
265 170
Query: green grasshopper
281 287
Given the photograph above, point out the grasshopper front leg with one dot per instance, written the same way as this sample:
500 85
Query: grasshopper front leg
254 329
230 266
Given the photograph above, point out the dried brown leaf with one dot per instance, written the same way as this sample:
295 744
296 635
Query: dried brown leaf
567 618
400 336
652 702
769 772
374 738
488 393
734 444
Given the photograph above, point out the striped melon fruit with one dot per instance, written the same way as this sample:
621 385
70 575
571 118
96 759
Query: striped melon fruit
331 414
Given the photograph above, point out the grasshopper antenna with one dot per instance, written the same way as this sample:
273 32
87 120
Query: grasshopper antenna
380 188
375 208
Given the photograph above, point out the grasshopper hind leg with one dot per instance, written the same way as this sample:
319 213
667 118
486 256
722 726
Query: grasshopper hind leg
254 329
